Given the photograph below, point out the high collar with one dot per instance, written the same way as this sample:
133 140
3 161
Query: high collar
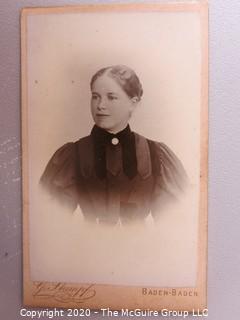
104 137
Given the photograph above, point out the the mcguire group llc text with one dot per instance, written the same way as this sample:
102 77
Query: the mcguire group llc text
108 313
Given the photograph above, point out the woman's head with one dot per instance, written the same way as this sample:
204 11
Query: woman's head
116 90
125 77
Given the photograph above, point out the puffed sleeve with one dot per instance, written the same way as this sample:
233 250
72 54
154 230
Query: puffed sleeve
170 178
59 176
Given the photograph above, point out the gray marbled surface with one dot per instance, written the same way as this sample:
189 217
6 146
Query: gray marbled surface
224 159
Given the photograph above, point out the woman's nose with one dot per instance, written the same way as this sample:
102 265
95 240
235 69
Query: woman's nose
102 105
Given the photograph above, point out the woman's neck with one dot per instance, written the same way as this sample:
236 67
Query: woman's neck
119 129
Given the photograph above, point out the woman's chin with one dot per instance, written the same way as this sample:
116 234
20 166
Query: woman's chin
103 126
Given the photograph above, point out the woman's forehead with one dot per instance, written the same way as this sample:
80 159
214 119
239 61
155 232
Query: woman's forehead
106 83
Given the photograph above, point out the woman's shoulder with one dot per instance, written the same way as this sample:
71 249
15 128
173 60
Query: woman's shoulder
165 154
60 169
166 165
63 153
159 150
67 151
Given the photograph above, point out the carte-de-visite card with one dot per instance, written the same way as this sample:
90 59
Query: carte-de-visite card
114 142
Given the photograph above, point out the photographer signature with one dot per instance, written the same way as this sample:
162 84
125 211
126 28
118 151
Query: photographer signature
62 292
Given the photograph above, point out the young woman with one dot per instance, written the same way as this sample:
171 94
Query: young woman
114 174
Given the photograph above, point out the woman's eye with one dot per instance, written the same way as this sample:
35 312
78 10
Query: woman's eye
112 97
94 97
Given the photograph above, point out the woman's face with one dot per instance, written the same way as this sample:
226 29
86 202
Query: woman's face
111 107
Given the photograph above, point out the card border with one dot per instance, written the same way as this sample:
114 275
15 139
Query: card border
46 294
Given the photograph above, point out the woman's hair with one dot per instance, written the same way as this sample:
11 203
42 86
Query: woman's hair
124 76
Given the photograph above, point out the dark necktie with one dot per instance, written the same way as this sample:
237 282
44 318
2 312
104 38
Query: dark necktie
123 141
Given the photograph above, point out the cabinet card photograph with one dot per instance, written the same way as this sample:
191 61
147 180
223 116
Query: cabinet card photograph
114 142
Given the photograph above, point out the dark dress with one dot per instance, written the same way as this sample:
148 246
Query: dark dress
123 177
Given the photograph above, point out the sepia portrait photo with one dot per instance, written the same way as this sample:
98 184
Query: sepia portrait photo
114 135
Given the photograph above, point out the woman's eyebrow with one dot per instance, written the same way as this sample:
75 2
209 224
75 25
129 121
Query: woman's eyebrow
114 93
93 92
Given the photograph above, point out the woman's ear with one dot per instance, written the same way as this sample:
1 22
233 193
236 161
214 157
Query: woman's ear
135 99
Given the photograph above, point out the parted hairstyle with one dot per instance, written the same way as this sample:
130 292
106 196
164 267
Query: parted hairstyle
124 76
